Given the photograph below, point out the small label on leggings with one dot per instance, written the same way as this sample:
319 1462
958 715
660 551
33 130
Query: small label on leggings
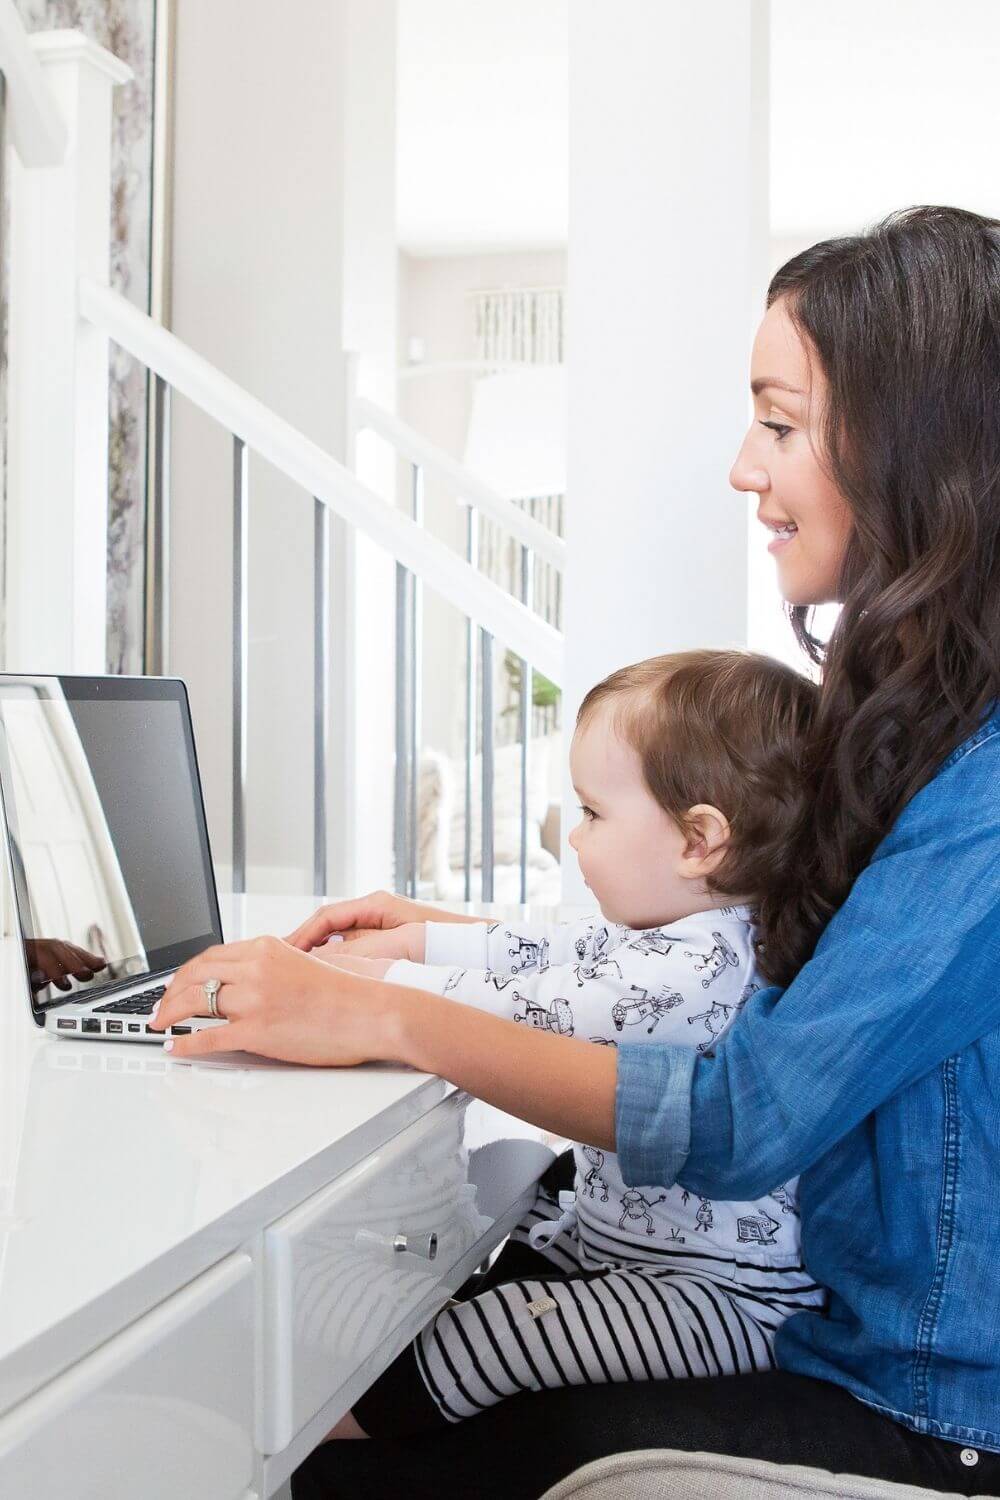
542 1305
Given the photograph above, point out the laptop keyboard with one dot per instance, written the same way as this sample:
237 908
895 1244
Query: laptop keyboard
134 1005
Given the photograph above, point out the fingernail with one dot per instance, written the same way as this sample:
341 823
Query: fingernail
168 1045
155 1011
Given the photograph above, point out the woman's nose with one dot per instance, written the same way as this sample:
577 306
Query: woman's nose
747 476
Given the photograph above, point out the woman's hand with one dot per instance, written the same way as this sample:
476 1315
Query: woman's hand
280 1003
375 913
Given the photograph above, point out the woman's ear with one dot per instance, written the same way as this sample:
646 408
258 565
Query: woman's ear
708 834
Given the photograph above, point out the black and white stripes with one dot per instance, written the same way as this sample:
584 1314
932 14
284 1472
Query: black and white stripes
583 1325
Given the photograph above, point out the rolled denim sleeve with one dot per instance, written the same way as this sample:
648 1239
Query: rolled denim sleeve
653 1111
904 976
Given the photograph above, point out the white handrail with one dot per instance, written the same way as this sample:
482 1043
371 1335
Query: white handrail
308 465
467 487
34 121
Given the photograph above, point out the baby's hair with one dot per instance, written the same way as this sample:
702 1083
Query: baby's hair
727 728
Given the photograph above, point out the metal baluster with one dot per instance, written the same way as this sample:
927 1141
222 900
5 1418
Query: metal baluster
159 618
321 688
527 581
472 554
240 660
400 775
416 654
486 649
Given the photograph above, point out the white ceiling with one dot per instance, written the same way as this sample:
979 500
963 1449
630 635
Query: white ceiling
874 104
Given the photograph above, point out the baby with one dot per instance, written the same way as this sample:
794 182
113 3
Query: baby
688 772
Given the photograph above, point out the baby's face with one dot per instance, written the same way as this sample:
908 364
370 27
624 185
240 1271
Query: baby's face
630 851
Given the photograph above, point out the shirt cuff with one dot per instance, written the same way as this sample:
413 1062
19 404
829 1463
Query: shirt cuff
419 976
653 1113
461 943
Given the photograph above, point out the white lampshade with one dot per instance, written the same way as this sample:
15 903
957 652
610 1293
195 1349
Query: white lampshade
516 441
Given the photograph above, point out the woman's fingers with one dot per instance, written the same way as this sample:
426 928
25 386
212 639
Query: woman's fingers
184 996
231 1038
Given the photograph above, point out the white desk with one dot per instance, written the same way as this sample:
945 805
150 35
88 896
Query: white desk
196 1267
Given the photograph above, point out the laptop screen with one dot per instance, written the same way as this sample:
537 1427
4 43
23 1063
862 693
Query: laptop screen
106 829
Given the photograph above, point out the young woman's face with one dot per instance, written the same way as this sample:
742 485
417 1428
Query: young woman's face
779 463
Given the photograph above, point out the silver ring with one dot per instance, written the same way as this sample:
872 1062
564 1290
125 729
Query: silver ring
211 988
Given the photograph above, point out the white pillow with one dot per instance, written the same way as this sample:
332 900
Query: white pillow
506 806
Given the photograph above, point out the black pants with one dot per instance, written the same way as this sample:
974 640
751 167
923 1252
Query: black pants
516 1450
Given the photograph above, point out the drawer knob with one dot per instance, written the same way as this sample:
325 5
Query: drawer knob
424 1245
416 1244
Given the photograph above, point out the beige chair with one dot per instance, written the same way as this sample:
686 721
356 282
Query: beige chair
670 1474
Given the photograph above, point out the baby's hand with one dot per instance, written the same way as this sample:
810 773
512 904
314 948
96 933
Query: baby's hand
405 941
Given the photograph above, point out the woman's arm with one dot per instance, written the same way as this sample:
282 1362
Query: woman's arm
559 1083
283 1003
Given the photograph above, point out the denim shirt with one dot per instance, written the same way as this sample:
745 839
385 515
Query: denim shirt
876 1076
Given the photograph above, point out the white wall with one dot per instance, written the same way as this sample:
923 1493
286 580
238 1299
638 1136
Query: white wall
667 267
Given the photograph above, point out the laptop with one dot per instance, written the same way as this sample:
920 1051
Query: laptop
107 849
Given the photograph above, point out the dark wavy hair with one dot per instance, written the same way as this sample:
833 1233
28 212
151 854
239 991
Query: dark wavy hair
904 321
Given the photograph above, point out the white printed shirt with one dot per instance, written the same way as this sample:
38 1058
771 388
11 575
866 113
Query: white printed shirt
683 984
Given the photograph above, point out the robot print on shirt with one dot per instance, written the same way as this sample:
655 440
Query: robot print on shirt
498 981
645 1007
592 953
557 1017
745 994
528 954
636 1207
781 1195
757 1229
716 961
593 1178
602 1041
715 1021
652 941
703 1217
676 1238
453 981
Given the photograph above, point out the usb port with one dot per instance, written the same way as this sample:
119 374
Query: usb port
180 1031
90 1023
135 1026
66 1025
114 1027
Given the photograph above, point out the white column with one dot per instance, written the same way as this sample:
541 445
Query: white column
362 759
667 263
57 480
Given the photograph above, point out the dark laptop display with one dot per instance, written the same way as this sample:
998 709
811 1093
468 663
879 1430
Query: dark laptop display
108 844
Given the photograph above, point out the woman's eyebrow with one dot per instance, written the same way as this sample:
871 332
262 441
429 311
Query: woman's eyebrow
763 381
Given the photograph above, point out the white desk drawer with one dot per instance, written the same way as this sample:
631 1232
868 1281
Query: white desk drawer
163 1409
334 1286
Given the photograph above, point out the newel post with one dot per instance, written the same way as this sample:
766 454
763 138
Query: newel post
57 478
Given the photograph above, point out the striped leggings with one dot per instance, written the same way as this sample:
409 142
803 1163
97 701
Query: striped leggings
561 1321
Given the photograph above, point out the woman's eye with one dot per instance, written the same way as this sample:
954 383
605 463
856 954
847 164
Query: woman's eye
779 428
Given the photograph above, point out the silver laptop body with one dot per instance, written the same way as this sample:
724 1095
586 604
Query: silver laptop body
107 849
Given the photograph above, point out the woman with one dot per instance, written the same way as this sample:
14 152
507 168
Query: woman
875 458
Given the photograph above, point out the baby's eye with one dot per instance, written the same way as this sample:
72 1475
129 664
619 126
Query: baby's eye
779 428
588 812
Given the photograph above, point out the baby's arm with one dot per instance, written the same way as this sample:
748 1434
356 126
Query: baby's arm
637 990
514 947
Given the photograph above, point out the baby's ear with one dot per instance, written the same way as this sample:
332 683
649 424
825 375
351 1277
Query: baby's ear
708 835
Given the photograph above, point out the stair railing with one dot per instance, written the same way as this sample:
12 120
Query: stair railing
425 458
423 558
